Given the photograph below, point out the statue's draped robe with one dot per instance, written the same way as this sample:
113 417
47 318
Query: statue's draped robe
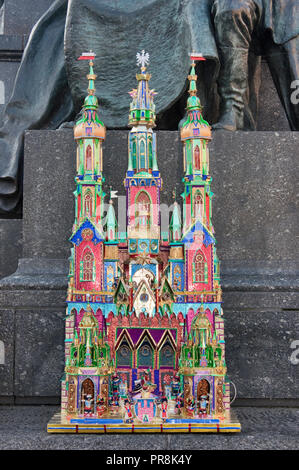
51 84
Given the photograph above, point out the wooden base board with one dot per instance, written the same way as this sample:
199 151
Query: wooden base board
60 424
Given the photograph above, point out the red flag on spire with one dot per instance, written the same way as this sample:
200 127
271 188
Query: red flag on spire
87 56
194 56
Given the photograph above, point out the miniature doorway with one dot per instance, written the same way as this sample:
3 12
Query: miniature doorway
203 397
87 396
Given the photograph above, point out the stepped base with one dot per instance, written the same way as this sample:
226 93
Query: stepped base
60 424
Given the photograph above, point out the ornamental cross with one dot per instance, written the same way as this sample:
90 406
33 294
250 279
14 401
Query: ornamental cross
142 58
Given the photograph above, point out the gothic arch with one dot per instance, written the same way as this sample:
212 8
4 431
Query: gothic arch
87 388
167 353
124 353
145 352
150 155
142 155
200 267
88 203
88 158
197 158
197 204
87 265
143 209
134 153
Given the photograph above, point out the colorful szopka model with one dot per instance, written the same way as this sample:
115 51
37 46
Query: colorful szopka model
144 325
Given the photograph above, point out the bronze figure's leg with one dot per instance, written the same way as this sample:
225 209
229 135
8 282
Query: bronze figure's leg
41 98
283 61
235 21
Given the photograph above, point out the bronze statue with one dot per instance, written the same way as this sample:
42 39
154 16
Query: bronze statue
50 83
244 30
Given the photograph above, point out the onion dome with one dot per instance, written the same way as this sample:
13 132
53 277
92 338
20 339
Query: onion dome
194 126
89 125
142 107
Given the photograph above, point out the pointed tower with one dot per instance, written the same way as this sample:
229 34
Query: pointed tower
204 352
197 197
88 237
143 182
85 343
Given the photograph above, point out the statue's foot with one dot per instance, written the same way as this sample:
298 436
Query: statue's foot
228 121
67 125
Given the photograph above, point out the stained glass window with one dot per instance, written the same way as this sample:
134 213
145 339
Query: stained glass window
143 210
134 155
150 155
88 159
197 205
124 355
145 354
196 158
87 266
88 203
200 267
167 355
142 164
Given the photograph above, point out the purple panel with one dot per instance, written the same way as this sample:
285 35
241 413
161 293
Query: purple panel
135 334
173 332
156 334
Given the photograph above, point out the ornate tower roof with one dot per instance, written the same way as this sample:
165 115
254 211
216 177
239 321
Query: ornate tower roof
195 125
89 125
88 320
142 107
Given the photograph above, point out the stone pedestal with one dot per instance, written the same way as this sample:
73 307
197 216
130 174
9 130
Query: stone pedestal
256 225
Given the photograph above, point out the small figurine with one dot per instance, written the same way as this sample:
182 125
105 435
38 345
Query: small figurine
175 385
203 403
101 408
190 407
164 406
128 411
115 384
144 383
88 405
179 403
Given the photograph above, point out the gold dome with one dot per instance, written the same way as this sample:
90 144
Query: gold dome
92 130
200 131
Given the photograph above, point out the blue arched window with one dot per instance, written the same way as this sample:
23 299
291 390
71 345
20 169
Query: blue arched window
150 155
142 162
134 155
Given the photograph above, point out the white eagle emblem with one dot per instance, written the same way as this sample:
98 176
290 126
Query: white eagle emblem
142 58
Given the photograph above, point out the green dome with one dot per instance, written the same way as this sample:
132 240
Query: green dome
193 102
91 101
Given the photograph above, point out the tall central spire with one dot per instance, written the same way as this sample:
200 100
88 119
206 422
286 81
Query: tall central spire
142 107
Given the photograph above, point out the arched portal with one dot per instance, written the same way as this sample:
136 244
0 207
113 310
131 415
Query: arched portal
203 397
87 397
143 210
